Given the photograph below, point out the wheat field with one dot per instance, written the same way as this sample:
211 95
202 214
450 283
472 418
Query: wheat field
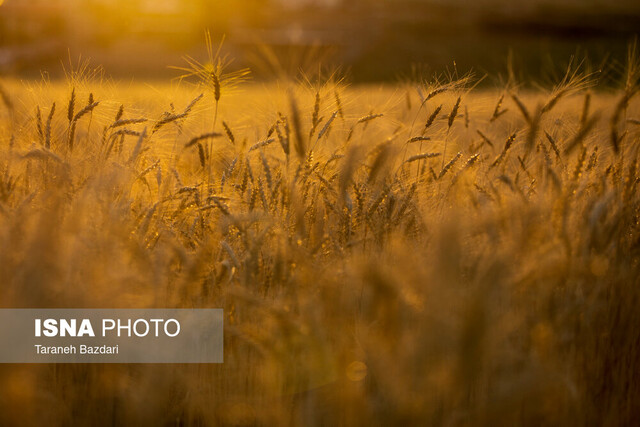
424 253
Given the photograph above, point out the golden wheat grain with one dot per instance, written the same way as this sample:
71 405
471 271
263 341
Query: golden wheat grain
47 132
422 156
454 113
418 139
449 165
261 144
71 105
497 112
432 117
504 151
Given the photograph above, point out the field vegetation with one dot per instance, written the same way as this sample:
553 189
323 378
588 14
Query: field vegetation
424 253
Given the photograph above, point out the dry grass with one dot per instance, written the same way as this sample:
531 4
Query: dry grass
468 257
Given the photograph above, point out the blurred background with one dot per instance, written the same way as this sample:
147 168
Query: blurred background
369 40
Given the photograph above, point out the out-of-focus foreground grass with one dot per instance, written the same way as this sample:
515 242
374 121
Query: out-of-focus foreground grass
417 254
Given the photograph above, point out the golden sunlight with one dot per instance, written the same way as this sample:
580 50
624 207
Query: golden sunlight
407 212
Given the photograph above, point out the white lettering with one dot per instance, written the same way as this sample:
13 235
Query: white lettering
166 327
